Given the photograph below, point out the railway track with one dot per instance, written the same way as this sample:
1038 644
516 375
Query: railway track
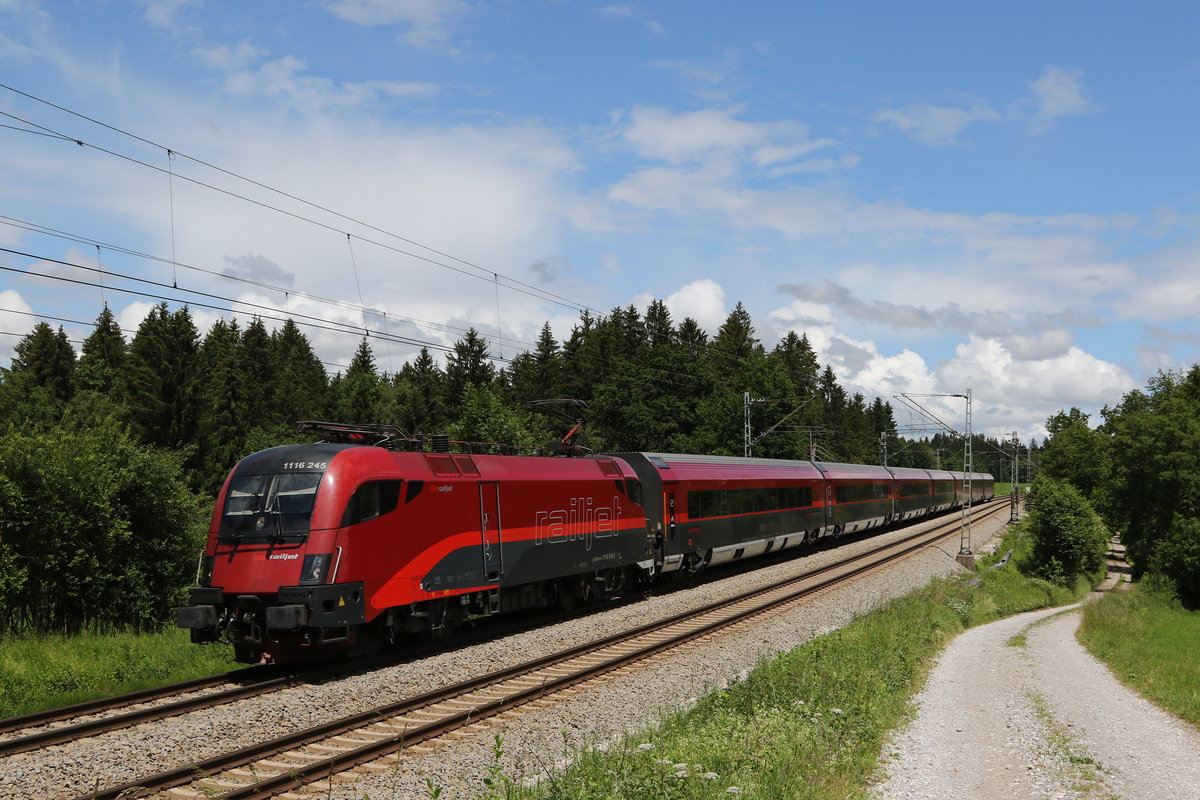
123 711
371 739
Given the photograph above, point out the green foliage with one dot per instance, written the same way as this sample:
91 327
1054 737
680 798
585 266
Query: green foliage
1151 643
1074 453
1176 557
486 419
98 529
805 724
45 358
1068 537
49 671
1155 466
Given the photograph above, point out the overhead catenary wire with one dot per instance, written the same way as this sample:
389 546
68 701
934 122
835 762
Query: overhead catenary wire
320 323
482 273
285 292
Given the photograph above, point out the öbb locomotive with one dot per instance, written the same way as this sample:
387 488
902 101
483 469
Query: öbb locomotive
316 549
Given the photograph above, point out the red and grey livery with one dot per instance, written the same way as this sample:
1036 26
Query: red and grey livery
314 549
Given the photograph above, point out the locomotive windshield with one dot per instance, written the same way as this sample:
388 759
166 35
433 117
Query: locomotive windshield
269 505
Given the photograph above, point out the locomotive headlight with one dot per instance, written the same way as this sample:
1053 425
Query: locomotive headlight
314 569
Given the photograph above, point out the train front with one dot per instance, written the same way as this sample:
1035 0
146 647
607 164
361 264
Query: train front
268 582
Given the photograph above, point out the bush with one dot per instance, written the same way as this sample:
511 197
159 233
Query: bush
1068 538
98 530
1176 558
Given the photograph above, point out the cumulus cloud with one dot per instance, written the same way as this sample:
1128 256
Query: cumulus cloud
16 320
1073 378
703 300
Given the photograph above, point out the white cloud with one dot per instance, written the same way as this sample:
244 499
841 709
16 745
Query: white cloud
703 300
1058 93
16 321
1034 388
677 137
627 11
229 58
935 125
427 23
284 79
163 13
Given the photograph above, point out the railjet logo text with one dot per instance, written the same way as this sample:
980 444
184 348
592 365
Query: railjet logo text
581 519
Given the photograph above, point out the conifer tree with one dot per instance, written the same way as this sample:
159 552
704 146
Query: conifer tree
45 358
163 378
103 361
468 365
222 399
298 391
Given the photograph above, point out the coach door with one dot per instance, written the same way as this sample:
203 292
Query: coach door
490 530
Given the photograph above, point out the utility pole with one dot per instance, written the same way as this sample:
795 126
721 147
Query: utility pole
965 556
750 442
1016 472
746 425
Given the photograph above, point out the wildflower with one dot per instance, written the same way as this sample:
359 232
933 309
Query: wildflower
664 761
645 746
710 776
680 766
837 711
734 790
683 773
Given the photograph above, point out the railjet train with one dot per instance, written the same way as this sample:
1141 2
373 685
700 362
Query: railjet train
318 549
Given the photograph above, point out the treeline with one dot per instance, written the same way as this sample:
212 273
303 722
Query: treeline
648 384
109 460
1140 469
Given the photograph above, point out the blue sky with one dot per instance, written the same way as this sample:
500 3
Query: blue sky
943 196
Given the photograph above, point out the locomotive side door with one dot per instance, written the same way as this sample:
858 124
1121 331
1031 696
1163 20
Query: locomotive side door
490 530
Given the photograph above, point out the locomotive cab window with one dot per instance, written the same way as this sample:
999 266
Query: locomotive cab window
270 504
371 500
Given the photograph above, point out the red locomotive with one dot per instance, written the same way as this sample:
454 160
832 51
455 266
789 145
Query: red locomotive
318 548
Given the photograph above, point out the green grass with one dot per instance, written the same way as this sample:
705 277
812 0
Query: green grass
1151 643
809 723
40 672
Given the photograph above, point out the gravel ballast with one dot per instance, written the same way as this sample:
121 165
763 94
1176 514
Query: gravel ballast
535 738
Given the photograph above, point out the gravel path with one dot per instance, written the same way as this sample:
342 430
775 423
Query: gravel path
1039 720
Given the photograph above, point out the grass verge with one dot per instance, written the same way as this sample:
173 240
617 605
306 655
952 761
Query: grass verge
809 723
40 672
1151 643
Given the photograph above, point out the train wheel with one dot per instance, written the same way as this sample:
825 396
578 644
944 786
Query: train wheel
445 621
